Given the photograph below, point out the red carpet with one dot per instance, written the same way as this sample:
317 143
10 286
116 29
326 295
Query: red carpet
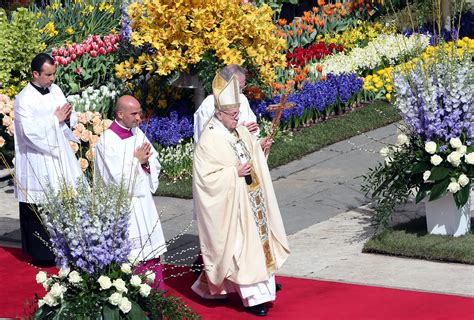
299 299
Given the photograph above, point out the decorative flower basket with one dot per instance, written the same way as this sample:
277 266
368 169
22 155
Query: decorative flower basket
445 218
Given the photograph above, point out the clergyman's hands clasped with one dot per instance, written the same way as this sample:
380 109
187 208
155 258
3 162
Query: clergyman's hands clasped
143 152
63 113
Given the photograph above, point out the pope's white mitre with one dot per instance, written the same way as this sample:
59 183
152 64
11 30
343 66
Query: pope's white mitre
226 93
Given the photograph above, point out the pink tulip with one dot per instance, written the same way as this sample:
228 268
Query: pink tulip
78 70
73 56
102 50
93 53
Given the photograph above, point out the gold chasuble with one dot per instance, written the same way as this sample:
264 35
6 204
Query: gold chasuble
240 227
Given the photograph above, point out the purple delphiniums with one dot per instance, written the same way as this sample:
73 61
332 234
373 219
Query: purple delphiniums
436 100
88 228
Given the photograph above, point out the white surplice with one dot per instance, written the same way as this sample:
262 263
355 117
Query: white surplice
115 162
42 150
206 110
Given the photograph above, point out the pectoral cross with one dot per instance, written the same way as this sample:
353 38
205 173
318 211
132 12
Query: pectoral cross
278 109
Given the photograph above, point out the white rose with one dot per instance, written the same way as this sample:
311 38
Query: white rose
135 281
463 180
125 305
384 151
104 282
426 175
115 298
430 147
455 158
462 150
402 139
41 277
145 290
120 285
150 276
50 300
63 272
436 160
454 187
57 290
126 268
74 277
41 303
469 158
455 143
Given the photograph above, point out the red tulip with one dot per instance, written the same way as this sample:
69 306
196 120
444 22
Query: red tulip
93 53
102 50
78 70
73 56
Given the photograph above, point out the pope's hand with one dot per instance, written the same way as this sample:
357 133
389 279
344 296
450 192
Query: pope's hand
266 143
63 113
243 169
251 126
143 152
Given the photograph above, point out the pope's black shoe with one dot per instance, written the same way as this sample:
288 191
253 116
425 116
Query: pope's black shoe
258 310
278 287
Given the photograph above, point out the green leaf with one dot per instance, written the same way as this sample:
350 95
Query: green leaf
462 196
439 189
110 313
420 167
422 193
439 173
136 313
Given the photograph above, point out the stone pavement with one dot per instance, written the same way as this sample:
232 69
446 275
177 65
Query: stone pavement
326 218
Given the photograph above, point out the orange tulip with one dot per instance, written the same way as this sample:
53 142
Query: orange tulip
282 22
321 3
319 68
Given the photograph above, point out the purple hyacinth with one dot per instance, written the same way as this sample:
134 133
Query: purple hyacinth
168 131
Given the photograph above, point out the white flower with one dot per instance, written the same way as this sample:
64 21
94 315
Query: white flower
455 143
145 290
426 175
469 158
436 160
41 277
125 305
462 150
430 147
41 303
120 285
150 276
455 158
74 277
454 187
135 281
385 151
63 272
104 282
57 290
463 180
50 300
402 139
115 298
126 268
133 260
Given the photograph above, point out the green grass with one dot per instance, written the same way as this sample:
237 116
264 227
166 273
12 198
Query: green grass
310 139
411 240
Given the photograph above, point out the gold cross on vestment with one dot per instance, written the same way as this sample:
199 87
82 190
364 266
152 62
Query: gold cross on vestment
278 109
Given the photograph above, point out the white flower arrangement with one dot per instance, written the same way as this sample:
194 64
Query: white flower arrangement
385 49
177 161
94 100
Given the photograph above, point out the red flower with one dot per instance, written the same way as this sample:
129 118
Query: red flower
93 53
78 70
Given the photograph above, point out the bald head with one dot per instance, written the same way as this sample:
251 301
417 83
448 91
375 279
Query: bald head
127 111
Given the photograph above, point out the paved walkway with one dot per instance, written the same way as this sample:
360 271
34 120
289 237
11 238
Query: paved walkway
326 217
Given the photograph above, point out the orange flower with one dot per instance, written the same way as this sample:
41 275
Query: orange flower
321 3
323 78
338 5
300 77
282 22
319 68
315 9
291 33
